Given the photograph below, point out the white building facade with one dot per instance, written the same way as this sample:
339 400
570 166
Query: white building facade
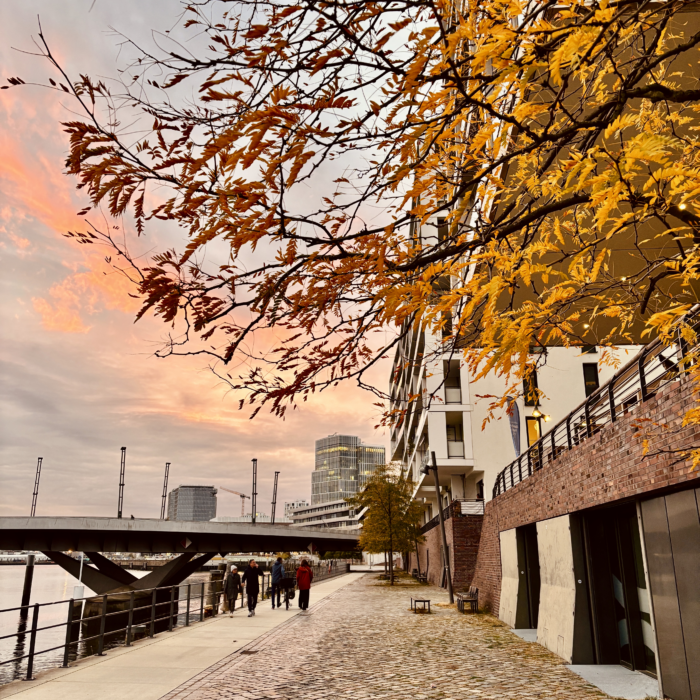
447 417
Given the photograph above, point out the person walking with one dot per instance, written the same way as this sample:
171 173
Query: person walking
252 585
232 589
304 578
277 576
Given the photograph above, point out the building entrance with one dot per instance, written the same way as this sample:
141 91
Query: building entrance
619 599
529 579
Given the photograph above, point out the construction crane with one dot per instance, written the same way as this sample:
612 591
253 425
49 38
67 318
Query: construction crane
242 495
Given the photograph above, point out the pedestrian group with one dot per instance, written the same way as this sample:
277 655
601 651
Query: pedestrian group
233 585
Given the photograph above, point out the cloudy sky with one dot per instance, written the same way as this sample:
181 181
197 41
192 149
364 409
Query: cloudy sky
78 377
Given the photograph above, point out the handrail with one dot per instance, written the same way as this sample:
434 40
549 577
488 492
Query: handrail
164 603
474 504
642 377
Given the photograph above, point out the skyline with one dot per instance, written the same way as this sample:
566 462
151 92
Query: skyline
79 379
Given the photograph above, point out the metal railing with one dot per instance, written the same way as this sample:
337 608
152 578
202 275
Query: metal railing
129 614
655 366
459 507
119 618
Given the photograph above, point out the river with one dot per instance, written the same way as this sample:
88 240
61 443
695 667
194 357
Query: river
50 584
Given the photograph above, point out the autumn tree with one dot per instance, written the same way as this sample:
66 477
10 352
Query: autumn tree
308 149
392 518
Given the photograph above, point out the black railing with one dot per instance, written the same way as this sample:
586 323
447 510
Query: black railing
117 618
100 622
459 507
655 366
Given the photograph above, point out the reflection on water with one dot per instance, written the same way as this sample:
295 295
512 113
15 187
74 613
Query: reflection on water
51 584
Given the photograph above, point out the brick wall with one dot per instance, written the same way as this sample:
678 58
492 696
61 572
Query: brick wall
610 466
462 533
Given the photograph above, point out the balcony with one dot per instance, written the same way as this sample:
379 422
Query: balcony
453 394
455 449
459 508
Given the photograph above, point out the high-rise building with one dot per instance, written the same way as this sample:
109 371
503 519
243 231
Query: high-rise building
192 503
343 465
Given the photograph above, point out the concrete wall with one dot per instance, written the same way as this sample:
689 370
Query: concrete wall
561 380
555 628
510 578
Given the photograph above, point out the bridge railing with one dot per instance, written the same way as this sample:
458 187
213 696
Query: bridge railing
654 367
92 625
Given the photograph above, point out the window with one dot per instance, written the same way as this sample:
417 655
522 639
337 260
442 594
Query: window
442 230
530 389
454 433
534 430
590 377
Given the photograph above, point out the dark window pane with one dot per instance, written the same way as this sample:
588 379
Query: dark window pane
590 377
529 389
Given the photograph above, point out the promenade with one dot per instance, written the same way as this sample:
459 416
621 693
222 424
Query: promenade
359 640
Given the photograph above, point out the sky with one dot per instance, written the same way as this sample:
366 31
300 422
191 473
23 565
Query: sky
78 378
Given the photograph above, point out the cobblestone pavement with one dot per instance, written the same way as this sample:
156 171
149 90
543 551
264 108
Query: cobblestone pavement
363 642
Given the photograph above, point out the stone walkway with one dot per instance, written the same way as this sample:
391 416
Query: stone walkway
364 642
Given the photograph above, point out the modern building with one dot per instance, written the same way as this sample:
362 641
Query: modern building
335 514
192 503
290 506
450 417
343 465
589 540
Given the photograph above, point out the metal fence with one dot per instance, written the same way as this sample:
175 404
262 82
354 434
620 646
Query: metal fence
459 507
97 623
655 366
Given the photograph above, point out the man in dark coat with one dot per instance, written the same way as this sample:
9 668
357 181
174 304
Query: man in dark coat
232 589
277 576
252 585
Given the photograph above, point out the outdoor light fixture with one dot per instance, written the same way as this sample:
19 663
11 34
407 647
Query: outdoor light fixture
623 279
547 418
586 325
681 206
536 413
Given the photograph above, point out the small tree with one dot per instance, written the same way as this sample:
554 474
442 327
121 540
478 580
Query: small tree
392 522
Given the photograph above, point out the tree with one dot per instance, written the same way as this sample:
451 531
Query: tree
556 142
392 521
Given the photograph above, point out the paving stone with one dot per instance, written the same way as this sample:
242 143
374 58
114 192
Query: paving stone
364 642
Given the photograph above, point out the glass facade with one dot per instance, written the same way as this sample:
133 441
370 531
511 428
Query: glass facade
192 503
343 465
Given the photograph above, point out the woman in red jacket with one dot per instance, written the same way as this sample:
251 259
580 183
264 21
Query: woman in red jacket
304 578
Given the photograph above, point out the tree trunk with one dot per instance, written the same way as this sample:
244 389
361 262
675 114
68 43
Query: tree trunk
391 558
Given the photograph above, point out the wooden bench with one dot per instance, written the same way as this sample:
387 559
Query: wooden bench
415 602
471 599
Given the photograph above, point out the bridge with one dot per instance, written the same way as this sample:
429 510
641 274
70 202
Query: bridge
195 542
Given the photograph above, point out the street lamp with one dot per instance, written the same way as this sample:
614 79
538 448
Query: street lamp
426 470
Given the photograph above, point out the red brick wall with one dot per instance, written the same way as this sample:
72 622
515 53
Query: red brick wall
610 466
462 534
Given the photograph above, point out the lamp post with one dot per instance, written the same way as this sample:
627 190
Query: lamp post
427 468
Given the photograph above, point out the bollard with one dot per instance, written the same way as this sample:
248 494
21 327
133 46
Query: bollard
153 613
32 643
103 622
201 604
187 613
28 576
172 605
131 619
69 627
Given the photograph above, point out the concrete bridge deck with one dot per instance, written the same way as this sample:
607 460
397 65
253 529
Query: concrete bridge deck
152 668
60 534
